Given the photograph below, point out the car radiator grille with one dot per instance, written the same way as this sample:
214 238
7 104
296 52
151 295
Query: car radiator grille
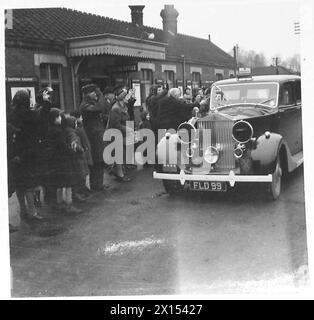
218 133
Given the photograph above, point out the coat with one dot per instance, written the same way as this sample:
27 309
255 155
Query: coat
94 127
59 171
77 159
85 144
118 118
172 112
154 103
25 149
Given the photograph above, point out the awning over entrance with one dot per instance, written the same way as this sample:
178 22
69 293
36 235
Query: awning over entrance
115 45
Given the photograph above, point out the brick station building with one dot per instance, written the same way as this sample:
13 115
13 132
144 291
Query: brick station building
66 49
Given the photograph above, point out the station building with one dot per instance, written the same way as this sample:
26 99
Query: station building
66 49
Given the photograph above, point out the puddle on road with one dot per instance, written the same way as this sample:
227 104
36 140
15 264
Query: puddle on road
120 248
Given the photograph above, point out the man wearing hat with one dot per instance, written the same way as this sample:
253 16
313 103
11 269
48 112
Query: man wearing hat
109 100
92 107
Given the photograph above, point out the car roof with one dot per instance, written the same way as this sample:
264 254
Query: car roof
266 78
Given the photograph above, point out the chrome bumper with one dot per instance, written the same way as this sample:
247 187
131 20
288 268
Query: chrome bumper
232 178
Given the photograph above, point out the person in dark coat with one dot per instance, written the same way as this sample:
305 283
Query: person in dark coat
173 110
43 107
78 160
92 111
81 191
154 107
109 100
152 93
60 172
130 103
24 161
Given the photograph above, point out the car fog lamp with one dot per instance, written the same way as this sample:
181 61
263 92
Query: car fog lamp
238 152
211 155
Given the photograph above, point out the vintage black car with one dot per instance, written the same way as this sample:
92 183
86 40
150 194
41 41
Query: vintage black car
252 133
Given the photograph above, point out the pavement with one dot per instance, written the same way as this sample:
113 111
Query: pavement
134 239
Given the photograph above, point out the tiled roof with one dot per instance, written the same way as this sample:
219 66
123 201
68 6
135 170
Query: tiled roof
61 23
270 70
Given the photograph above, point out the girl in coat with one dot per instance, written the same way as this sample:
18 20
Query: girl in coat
61 173
84 188
78 160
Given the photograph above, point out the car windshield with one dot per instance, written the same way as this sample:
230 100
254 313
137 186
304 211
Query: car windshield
243 93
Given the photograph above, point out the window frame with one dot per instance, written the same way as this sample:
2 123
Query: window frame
170 78
50 82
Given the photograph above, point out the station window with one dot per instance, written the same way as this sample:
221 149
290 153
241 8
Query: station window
196 77
219 76
147 75
50 75
169 77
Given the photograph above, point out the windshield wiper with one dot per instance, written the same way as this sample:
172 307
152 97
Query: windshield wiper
263 102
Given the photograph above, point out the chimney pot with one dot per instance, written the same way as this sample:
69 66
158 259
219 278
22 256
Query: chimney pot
169 18
137 15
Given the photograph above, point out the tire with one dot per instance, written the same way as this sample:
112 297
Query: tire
173 187
274 187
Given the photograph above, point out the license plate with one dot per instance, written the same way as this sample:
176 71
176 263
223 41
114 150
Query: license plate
208 186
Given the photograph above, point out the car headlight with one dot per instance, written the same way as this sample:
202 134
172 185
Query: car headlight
211 155
242 131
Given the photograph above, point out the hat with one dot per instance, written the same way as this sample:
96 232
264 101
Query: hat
121 92
53 114
76 113
88 88
70 122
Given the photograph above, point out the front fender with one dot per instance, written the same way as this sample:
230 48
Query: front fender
265 153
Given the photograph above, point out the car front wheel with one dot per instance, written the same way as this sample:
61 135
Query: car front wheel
274 187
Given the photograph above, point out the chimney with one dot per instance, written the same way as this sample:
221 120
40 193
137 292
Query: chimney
137 15
169 18
209 37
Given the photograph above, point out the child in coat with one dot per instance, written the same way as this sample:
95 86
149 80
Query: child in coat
61 150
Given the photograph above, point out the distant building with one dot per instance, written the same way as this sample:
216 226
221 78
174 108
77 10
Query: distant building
270 70
66 49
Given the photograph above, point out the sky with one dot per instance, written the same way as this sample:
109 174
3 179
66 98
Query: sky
263 26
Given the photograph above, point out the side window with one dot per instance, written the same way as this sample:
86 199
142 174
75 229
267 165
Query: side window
287 94
298 91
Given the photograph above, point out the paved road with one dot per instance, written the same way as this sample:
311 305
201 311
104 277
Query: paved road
134 239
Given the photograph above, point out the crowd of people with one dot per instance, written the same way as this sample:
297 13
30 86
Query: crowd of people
57 158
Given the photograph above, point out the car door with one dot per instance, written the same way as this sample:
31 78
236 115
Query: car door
290 125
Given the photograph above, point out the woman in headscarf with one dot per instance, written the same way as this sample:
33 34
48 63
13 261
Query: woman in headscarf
25 159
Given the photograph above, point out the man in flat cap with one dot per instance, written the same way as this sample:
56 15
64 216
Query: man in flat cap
109 100
92 107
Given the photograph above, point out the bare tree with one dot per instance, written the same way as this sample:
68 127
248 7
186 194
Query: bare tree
292 63
250 58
